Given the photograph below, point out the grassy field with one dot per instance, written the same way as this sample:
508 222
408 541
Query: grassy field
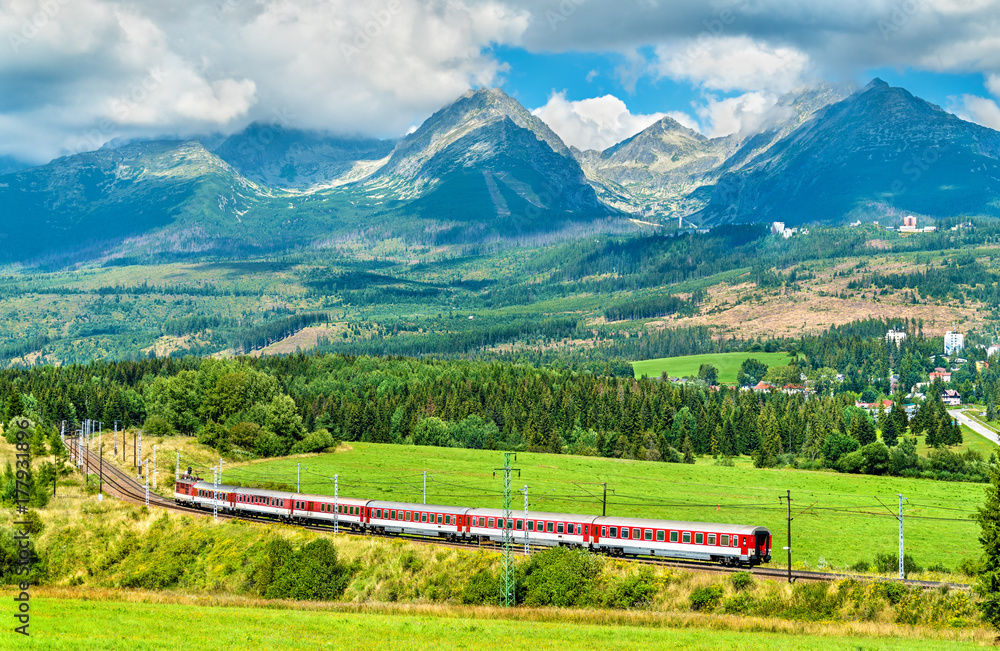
970 441
727 363
86 624
839 519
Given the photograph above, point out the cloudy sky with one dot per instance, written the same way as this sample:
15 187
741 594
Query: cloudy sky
76 74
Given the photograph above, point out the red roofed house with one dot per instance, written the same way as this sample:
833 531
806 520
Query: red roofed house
941 374
951 398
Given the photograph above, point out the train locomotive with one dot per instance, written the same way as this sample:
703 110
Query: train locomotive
727 544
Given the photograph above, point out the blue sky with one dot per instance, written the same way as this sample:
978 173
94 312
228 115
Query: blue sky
77 75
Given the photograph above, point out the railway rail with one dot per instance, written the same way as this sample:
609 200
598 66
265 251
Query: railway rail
123 486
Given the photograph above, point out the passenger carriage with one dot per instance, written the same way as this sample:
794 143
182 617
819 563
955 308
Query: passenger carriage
347 512
728 544
261 503
540 527
419 519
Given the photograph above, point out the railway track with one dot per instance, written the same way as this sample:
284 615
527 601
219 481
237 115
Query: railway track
128 489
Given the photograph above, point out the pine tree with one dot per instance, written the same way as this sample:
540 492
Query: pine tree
862 429
988 584
715 441
688 450
889 433
15 407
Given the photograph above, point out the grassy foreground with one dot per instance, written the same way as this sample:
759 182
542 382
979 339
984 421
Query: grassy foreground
127 622
839 519
688 365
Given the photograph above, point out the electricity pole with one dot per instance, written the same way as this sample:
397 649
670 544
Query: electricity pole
425 487
177 469
154 466
135 446
116 439
147 482
215 493
336 507
902 569
507 563
788 514
604 503
298 478
100 487
525 519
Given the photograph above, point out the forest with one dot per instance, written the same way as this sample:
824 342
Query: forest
249 407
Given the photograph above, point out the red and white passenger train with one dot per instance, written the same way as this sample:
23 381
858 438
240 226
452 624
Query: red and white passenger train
729 544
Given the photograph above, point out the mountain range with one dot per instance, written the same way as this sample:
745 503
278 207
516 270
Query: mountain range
485 168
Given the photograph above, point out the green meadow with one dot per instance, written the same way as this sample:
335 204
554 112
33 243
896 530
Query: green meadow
86 625
688 365
838 519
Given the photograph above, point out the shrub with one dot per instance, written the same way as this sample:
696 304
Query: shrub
852 463
34 522
631 592
157 426
893 591
741 603
316 441
741 580
889 564
483 587
310 572
706 598
969 567
561 577
860 566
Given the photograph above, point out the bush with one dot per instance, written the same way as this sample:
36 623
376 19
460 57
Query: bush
482 588
969 567
836 446
311 572
316 441
852 463
893 591
741 580
631 592
860 566
706 598
561 577
34 522
877 458
741 603
889 564
157 426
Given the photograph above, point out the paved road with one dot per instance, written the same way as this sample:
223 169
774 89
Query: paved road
974 426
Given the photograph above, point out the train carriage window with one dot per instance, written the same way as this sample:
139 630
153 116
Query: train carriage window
549 527
492 523
540 526
519 524
559 527
604 532
392 514
636 534
378 513
510 524
686 537
724 541
531 525
711 539
409 515
447 519
648 534
659 536
570 528
699 538
614 532
423 517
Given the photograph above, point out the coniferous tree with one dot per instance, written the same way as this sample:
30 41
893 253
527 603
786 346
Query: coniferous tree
688 450
988 583
889 433
862 429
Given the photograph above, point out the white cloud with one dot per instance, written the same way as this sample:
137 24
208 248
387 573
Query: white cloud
92 71
980 110
595 123
993 85
742 114
733 63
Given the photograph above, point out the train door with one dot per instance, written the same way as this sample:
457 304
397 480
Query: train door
761 544
586 533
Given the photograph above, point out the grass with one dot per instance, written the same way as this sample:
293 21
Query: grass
686 366
839 519
127 622
970 441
